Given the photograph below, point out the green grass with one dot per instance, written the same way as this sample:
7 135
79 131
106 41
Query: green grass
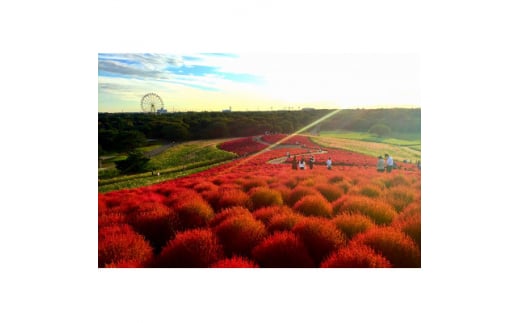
188 153
144 179
179 160
403 146
402 139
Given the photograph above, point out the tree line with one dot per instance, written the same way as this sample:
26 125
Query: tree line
127 131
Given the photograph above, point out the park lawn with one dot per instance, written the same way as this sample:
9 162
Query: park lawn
375 149
188 153
180 160
402 139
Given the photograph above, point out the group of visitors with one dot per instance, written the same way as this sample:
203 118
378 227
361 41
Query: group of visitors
388 164
385 164
302 165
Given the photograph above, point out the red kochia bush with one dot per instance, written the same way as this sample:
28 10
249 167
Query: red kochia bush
190 249
194 213
239 234
399 197
227 214
263 196
233 197
329 191
265 214
284 221
393 244
379 211
299 192
352 224
314 205
282 250
157 225
120 244
320 236
235 262
356 256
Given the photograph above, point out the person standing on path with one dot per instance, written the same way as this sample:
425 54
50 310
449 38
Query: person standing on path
389 163
302 164
311 162
380 164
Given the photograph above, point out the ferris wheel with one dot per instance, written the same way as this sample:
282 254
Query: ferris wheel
151 102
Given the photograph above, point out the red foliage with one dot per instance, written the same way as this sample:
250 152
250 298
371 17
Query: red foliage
227 214
284 221
320 236
393 244
282 250
265 214
330 192
352 224
263 196
299 192
239 234
195 213
242 146
356 256
314 205
235 262
378 210
156 222
233 197
190 249
119 244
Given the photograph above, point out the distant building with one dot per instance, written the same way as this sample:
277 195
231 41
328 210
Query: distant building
227 110
307 109
162 111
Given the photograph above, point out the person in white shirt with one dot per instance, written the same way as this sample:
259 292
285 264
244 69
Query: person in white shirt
302 163
329 163
389 163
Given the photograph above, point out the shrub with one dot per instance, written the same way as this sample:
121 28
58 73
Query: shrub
314 205
252 183
352 224
330 192
239 234
399 197
227 214
157 224
235 262
356 256
195 213
299 192
265 214
190 249
282 250
234 197
205 186
370 191
393 244
335 179
379 211
411 225
119 243
395 181
320 236
284 221
263 196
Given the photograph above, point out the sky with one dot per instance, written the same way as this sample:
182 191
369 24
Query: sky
257 81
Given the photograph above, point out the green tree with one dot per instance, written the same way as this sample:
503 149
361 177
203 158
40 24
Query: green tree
380 129
134 163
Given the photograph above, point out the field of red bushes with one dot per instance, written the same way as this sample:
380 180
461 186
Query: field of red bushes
249 213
